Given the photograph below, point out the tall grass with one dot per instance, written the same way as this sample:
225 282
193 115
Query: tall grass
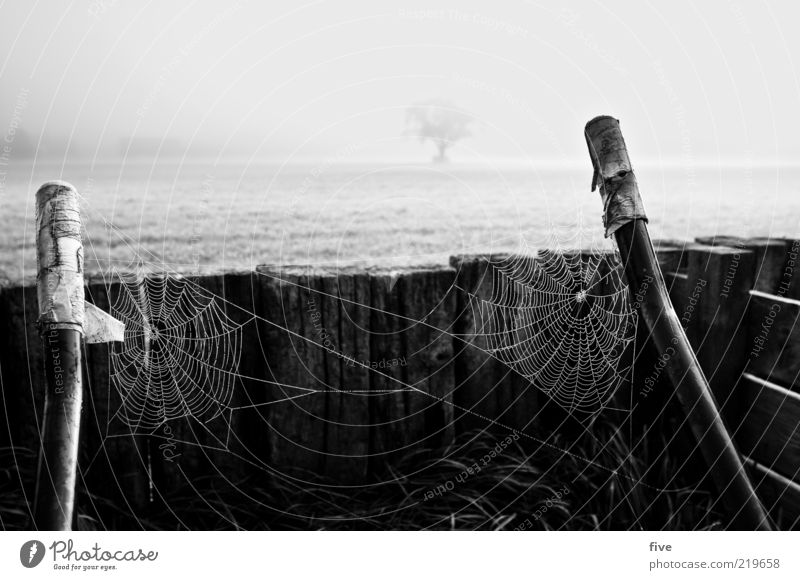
522 487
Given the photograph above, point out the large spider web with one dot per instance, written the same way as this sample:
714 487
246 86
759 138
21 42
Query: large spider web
180 353
563 320
560 319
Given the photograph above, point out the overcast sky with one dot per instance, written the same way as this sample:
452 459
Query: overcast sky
692 82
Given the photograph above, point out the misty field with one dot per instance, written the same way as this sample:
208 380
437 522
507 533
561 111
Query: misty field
198 217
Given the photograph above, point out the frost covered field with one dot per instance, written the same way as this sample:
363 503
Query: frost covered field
199 217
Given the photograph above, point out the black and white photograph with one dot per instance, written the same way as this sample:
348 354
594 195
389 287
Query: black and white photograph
372 267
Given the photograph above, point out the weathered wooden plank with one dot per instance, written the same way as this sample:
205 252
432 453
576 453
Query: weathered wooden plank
326 302
789 284
23 364
774 339
211 432
720 277
769 431
389 436
247 431
672 254
348 400
768 257
479 377
296 412
113 458
780 495
428 301
193 455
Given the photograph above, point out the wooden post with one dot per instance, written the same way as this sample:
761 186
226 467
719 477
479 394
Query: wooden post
718 285
388 417
768 257
347 295
484 385
624 218
61 313
296 416
114 463
478 376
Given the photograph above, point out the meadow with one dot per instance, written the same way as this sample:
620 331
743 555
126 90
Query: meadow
201 217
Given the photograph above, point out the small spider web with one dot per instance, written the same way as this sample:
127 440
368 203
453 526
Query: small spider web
180 354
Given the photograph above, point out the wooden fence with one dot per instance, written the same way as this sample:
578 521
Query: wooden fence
740 311
739 299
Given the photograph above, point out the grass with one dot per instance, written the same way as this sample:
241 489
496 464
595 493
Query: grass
521 488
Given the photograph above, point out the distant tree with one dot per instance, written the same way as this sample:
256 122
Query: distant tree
439 121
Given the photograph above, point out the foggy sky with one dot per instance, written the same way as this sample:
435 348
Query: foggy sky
691 82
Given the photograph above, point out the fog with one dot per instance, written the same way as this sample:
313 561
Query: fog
710 82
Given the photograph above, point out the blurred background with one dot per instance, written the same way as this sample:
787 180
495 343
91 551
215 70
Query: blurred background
208 136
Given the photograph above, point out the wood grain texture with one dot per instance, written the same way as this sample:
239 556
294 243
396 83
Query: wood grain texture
113 458
719 280
769 429
428 298
297 364
780 495
388 435
774 339
769 255
348 402
479 377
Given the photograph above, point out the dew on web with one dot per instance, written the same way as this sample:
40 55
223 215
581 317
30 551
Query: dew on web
180 354
563 320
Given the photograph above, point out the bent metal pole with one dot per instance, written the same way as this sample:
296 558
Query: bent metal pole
624 218
61 316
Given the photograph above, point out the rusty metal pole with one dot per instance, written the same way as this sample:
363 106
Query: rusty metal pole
624 218
61 316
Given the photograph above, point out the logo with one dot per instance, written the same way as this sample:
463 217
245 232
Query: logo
31 553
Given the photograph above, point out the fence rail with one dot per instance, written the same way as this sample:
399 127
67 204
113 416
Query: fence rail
386 331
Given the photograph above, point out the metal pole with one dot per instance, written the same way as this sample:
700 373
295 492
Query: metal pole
61 316
624 218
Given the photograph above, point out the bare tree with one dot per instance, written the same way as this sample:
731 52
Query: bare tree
439 121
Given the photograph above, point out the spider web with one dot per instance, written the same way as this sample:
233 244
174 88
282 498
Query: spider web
180 353
563 320
180 358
